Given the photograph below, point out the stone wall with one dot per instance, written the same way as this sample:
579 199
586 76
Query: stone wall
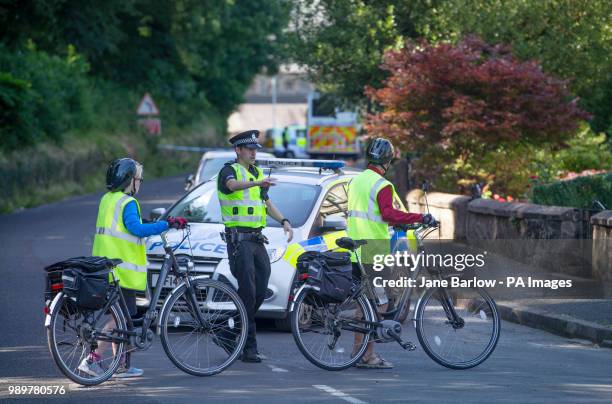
449 209
555 239
602 250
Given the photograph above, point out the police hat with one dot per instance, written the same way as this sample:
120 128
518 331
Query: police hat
247 139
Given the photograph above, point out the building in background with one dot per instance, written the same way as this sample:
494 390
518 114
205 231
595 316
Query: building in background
273 102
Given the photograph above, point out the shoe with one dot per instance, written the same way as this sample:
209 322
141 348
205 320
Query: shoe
374 362
124 373
251 356
91 367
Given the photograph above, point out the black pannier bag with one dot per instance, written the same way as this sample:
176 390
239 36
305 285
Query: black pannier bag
329 272
84 279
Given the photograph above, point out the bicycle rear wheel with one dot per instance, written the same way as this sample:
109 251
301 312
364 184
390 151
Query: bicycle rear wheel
72 339
209 348
459 344
320 334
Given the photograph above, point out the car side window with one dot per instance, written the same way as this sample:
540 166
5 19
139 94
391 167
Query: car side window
335 203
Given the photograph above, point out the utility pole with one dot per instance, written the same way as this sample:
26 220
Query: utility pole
274 102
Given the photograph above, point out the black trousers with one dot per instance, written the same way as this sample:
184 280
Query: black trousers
250 265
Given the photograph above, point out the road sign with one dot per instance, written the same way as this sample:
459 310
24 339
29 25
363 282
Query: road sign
151 125
147 106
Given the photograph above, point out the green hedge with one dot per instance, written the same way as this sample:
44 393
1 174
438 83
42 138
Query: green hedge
579 192
41 97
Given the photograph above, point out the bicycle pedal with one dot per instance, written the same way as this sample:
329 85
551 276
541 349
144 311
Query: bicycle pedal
409 346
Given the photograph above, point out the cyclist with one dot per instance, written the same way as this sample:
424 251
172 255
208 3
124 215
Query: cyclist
370 211
120 233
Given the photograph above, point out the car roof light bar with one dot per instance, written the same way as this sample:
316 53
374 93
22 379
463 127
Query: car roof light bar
321 164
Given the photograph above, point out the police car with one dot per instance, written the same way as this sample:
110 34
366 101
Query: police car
312 194
211 163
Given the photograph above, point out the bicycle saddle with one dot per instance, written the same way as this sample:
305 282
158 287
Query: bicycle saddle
349 243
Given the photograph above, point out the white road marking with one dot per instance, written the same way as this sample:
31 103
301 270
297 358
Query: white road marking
277 369
338 393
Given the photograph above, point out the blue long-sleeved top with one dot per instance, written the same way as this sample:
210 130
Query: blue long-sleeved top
132 222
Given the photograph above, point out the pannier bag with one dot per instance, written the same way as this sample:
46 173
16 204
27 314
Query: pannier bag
84 279
330 273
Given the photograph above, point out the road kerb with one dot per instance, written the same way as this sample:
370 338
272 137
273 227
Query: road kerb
556 323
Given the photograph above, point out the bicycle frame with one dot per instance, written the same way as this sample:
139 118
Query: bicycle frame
170 265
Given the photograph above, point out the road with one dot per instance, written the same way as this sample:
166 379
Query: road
528 365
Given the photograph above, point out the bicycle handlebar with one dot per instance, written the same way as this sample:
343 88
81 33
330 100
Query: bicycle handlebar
415 226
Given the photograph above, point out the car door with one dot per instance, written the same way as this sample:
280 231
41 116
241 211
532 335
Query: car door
334 204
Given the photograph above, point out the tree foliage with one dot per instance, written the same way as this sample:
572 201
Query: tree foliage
458 103
41 97
342 42
192 56
572 39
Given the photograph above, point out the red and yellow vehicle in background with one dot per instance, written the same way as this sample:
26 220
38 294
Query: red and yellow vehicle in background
330 131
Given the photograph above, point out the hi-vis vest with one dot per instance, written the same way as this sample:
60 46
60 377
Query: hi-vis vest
112 240
243 207
364 218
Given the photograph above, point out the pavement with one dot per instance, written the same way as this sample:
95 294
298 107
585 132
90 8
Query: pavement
528 365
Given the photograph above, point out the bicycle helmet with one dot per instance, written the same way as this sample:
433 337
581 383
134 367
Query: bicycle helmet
119 174
379 151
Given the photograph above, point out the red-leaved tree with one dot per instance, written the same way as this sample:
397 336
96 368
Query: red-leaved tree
456 104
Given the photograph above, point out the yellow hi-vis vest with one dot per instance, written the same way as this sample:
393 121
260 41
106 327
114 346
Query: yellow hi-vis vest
244 207
364 218
112 240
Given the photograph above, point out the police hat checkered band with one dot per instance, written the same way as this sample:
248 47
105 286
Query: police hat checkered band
251 140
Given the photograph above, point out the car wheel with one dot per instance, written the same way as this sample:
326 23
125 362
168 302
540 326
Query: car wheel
283 324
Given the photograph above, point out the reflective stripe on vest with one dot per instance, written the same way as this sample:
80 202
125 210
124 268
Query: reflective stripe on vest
118 234
243 207
112 240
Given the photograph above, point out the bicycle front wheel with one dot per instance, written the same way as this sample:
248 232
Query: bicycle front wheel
208 347
459 341
325 332
82 352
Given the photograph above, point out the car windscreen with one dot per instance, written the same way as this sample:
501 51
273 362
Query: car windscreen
212 167
295 202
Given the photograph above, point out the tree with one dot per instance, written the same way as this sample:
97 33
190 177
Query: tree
571 38
92 27
456 104
223 45
341 42
192 55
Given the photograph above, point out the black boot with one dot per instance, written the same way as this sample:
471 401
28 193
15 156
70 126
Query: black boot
250 355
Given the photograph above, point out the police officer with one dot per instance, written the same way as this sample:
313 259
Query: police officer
371 210
120 233
243 196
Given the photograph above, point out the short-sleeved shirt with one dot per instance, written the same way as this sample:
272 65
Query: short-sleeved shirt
227 173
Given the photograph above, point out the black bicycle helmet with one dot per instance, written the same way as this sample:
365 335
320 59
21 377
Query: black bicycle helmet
379 151
120 173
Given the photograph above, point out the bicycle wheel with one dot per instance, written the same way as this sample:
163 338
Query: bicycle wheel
209 348
77 348
463 344
319 330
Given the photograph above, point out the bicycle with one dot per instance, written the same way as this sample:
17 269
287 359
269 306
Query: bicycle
457 327
197 311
